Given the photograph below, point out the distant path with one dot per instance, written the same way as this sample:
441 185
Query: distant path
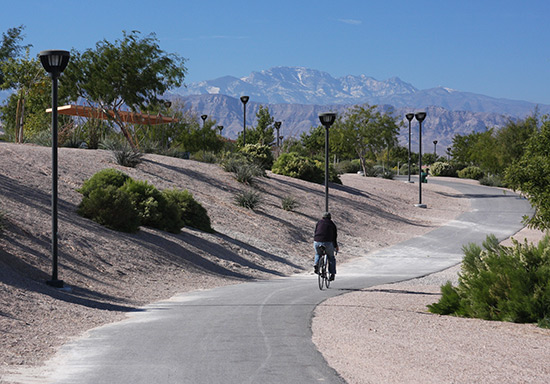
260 332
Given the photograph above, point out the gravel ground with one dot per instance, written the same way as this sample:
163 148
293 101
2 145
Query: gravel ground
110 274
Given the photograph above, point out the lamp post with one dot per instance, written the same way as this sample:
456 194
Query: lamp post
435 149
449 153
420 116
220 128
278 127
327 119
409 117
167 105
203 117
244 100
54 62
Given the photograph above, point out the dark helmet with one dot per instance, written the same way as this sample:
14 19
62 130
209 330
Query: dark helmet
327 215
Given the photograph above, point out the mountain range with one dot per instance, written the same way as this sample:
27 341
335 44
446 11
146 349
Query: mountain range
296 95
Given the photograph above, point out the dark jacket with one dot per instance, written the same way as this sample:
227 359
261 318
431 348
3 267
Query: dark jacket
325 231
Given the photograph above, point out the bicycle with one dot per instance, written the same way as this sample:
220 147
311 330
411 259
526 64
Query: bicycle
322 268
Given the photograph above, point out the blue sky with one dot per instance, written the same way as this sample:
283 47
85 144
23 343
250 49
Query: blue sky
496 48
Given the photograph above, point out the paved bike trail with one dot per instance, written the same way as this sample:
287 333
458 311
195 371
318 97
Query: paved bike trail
260 332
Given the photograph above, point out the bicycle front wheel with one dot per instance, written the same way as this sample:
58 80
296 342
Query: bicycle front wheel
327 274
321 270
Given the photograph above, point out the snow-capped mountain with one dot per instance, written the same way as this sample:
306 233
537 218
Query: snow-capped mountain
297 85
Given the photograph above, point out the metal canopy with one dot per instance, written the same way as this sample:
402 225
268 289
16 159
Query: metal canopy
127 117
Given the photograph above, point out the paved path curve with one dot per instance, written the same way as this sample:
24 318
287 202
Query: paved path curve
260 332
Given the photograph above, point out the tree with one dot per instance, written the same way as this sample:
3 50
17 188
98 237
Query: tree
11 47
366 131
30 82
131 72
531 175
263 132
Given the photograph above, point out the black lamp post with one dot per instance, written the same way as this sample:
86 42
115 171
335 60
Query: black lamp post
435 148
449 153
220 128
420 116
409 117
278 127
244 100
167 105
54 62
327 119
203 117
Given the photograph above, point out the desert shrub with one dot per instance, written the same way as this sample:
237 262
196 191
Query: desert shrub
404 170
471 172
110 206
258 154
122 152
347 166
388 174
148 201
246 173
501 283
440 168
289 203
249 199
304 168
191 212
102 179
492 181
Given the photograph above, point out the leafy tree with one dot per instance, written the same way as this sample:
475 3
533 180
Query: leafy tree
531 175
262 133
131 72
10 48
366 131
31 97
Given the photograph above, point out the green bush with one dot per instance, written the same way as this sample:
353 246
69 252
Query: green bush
148 201
244 170
110 206
492 181
501 283
304 168
113 199
248 199
347 166
440 168
258 154
471 172
191 212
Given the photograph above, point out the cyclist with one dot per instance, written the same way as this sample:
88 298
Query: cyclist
326 234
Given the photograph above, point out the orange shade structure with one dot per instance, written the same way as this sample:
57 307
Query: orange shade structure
126 116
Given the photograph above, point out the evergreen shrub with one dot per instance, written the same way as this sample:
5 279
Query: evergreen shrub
471 172
501 283
440 168
191 212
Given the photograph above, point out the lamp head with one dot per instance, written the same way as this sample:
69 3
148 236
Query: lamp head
203 117
244 99
409 116
435 142
54 61
277 124
327 119
420 116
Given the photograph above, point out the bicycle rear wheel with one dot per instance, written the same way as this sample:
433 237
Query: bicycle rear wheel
321 270
327 274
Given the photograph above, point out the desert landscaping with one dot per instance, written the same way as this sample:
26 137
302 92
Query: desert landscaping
381 334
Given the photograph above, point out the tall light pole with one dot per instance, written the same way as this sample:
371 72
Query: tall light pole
409 117
435 148
54 62
203 117
278 127
244 100
449 153
327 119
167 105
220 128
420 116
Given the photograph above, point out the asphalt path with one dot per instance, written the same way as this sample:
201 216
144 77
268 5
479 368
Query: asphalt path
260 332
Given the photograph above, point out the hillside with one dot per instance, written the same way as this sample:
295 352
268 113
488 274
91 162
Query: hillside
109 274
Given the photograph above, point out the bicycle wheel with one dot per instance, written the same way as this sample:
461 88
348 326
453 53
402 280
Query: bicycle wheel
327 274
321 268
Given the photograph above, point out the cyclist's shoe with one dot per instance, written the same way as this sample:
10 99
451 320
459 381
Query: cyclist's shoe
331 277
316 269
